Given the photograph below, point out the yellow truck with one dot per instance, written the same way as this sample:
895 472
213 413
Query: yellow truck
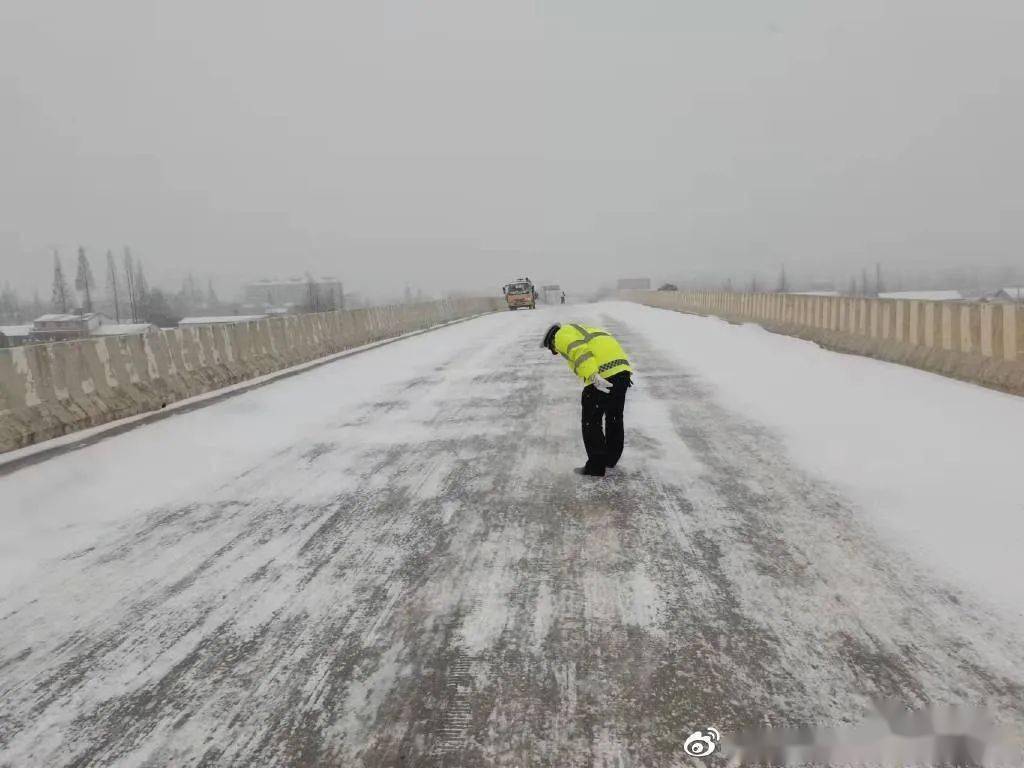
520 293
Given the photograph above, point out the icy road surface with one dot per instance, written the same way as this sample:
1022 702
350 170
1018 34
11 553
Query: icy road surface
388 561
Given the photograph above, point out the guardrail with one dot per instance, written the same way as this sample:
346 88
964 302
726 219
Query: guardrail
980 342
47 390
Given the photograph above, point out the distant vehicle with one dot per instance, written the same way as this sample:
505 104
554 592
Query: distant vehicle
521 293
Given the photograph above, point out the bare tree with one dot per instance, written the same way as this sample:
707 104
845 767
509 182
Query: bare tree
159 310
10 305
879 286
84 281
141 291
313 293
112 286
191 297
60 298
129 281
212 300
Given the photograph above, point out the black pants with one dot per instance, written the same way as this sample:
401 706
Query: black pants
603 433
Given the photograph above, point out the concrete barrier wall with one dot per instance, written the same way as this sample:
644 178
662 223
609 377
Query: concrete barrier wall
48 390
978 342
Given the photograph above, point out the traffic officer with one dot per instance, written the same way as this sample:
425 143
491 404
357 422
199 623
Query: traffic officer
597 358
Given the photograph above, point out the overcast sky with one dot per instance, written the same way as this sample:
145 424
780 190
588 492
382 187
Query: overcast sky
462 143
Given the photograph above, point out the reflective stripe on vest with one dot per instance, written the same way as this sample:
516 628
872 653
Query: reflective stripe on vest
587 336
612 364
580 360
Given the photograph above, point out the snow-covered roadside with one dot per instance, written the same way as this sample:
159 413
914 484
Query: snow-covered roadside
933 461
84 437
63 504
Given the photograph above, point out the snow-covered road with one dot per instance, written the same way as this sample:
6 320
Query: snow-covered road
388 561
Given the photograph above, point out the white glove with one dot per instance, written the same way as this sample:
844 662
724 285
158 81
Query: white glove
600 383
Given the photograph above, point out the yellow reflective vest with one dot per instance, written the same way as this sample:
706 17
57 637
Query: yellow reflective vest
590 350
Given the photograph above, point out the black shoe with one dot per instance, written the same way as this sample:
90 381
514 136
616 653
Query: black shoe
587 472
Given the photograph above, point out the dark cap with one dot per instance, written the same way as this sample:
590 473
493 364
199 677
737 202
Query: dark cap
549 337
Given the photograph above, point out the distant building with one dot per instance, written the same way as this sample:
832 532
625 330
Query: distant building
1009 293
634 284
324 292
14 335
65 327
924 295
69 327
222 320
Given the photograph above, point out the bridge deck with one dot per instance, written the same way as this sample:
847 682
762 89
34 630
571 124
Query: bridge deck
388 561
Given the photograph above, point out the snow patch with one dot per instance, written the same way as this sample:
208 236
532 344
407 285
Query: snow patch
933 462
